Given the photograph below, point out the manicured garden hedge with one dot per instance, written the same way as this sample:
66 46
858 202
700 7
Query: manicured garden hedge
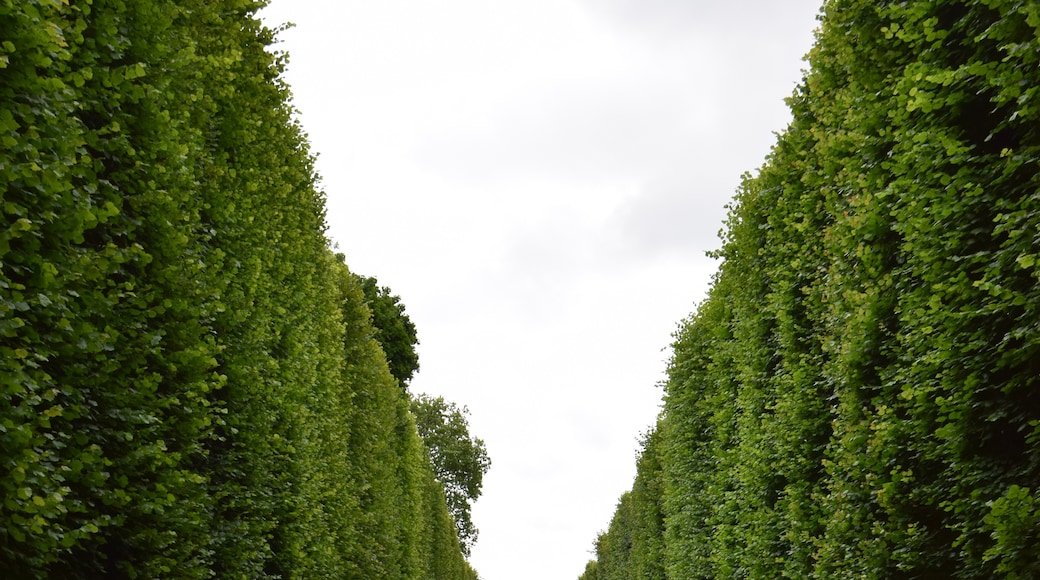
859 396
188 383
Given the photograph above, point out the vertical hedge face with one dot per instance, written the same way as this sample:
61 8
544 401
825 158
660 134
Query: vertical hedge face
109 364
647 513
858 395
188 387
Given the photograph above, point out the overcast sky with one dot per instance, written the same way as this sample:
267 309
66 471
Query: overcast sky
539 181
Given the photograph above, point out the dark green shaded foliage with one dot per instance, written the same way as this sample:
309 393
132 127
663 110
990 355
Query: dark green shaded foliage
394 330
109 357
857 397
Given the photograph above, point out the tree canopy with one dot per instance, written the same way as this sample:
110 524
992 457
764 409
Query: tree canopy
459 460
395 331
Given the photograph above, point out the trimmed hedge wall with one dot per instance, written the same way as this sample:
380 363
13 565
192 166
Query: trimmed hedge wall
859 395
188 384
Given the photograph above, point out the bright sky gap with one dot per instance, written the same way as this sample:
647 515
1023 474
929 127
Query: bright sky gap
539 181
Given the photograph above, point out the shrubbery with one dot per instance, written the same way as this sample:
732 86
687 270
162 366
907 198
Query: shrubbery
188 383
859 396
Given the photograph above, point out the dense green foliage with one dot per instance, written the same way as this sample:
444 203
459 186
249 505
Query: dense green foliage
395 331
189 387
591 571
859 395
459 460
633 545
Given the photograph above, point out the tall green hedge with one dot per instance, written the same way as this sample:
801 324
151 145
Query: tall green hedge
188 383
859 395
